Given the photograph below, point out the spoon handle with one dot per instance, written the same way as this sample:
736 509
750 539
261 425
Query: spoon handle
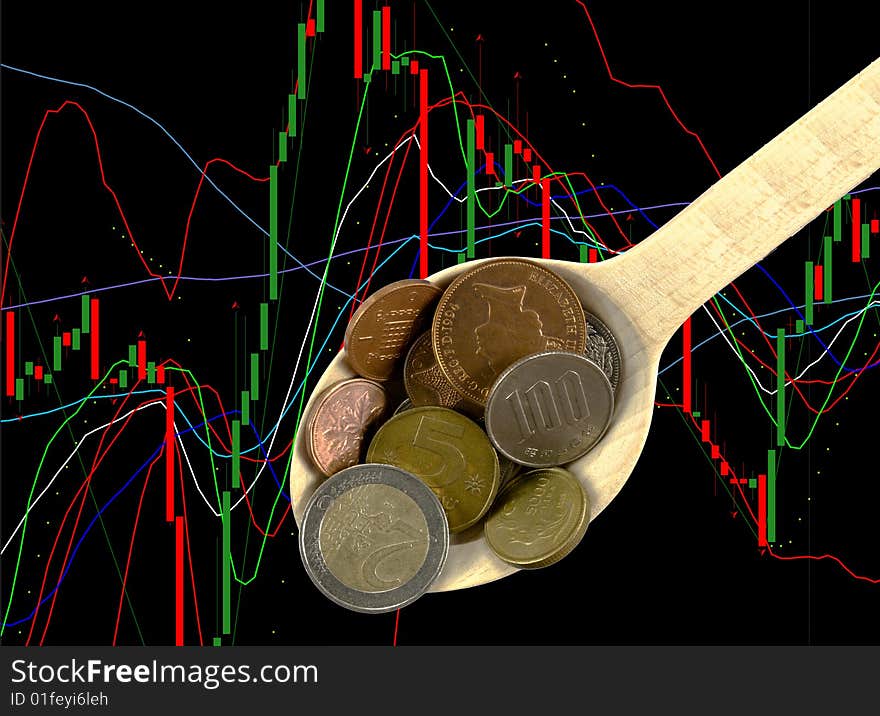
750 211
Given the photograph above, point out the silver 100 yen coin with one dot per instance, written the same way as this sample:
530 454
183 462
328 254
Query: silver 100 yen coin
549 408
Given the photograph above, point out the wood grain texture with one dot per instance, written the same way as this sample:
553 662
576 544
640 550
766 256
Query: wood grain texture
645 294
750 211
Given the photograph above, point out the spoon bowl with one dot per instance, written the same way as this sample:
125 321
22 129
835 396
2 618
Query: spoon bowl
645 294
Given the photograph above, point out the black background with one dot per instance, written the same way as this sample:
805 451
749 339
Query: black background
666 562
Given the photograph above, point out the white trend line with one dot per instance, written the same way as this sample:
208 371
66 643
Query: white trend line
69 458
286 400
825 352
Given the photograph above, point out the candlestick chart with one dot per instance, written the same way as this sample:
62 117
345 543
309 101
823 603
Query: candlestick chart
193 206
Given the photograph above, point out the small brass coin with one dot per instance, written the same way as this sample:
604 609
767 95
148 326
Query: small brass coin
449 452
498 312
373 538
539 518
381 329
342 417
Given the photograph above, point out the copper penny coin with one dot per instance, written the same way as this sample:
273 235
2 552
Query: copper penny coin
549 409
497 313
383 326
424 381
343 415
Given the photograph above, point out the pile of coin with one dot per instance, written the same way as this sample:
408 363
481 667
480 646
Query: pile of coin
504 370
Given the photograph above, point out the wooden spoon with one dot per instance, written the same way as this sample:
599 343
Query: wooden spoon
645 294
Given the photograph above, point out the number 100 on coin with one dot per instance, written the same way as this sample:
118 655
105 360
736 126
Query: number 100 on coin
549 408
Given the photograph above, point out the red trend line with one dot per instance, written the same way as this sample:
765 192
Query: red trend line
387 217
819 558
644 86
715 168
263 533
138 252
49 561
381 198
755 518
137 516
396 625
852 377
99 458
96 462
192 576
101 453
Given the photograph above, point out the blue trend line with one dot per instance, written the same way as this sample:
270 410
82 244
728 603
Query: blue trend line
412 270
83 536
268 463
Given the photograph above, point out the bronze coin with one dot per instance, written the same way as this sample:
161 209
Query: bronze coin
341 418
383 326
497 313
424 381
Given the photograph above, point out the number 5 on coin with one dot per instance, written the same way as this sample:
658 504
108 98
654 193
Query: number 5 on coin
429 436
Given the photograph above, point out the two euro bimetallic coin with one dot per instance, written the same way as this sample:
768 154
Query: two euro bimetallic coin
373 538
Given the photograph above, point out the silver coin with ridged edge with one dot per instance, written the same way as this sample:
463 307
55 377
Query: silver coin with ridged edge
549 408
373 538
602 349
